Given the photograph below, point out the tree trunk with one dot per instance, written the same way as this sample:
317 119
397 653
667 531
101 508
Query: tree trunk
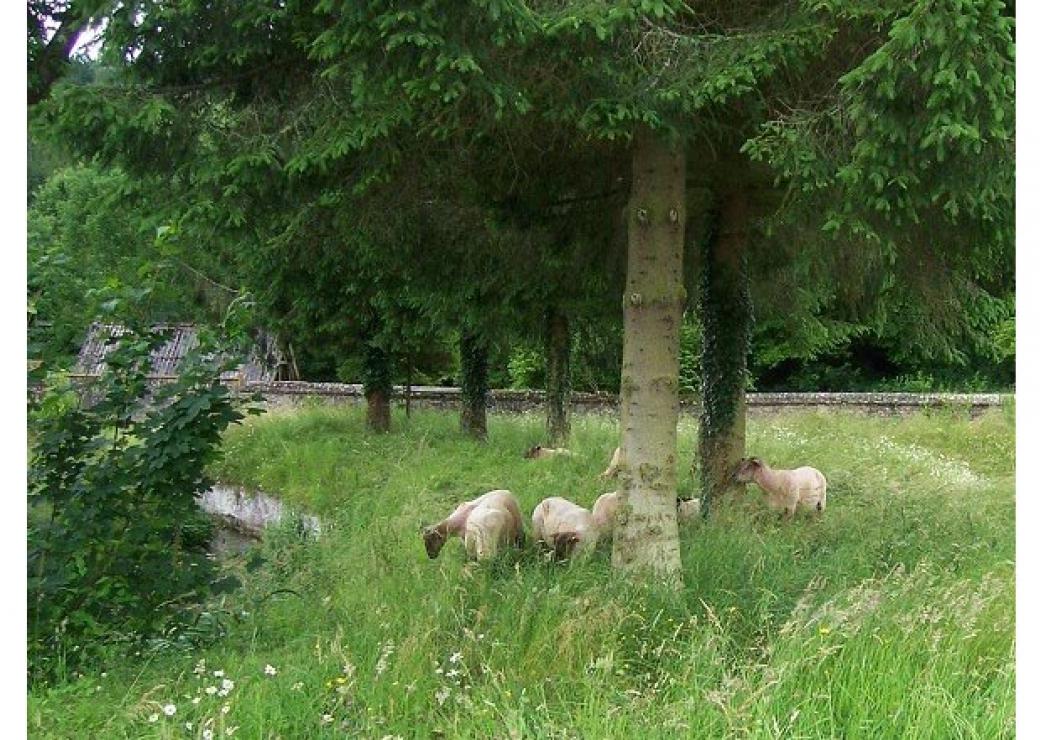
474 358
726 320
379 387
558 378
646 538
408 390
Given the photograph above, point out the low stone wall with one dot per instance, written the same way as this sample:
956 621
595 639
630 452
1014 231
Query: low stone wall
290 393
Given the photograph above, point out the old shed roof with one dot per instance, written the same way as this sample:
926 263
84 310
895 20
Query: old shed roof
261 365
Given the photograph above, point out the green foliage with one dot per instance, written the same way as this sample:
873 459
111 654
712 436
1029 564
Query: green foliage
690 357
526 368
891 616
92 243
116 543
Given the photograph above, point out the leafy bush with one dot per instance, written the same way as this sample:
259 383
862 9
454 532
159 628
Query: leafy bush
526 368
115 541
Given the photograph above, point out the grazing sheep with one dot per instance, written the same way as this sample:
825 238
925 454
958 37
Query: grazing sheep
540 453
485 524
785 489
569 529
612 469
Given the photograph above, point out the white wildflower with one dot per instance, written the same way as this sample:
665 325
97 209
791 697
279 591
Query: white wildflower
326 719
207 734
298 686
189 726
442 695
211 690
227 684
225 709
348 669
218 674
153 717
451 674
169 710
455 657
230 730
270 670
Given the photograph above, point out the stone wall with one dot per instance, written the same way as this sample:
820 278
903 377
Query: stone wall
291 393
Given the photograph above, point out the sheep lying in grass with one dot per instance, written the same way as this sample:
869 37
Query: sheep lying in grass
486 524
568 529
612 469
785 489
540 453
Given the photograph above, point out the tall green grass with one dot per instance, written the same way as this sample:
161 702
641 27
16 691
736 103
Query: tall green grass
889 616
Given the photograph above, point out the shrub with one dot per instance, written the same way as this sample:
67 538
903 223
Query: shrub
116 542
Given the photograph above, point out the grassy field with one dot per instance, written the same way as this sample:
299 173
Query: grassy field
892 616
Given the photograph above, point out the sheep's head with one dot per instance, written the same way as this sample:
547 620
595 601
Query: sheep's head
564 544
533 452
746 469
434 541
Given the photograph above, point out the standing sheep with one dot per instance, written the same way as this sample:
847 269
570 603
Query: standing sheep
485 524
785 489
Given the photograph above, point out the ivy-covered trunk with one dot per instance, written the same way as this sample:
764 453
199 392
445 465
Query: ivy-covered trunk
646 538
378 382
726 320
473 355
558 377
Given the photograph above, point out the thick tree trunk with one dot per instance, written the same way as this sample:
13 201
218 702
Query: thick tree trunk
646 538
474 358
379 387
558 378
726 320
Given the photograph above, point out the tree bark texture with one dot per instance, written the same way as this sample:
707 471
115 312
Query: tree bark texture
646 538
726 319
473 354
558 378
378 382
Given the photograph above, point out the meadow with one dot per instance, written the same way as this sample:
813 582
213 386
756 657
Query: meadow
890 616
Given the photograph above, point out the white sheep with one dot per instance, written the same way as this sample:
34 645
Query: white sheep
485 524
569 529
541 453
612 468
785 489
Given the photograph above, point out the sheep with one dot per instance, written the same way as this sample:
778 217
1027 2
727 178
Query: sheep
612 468
569 529
540 453
484 524
785 489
